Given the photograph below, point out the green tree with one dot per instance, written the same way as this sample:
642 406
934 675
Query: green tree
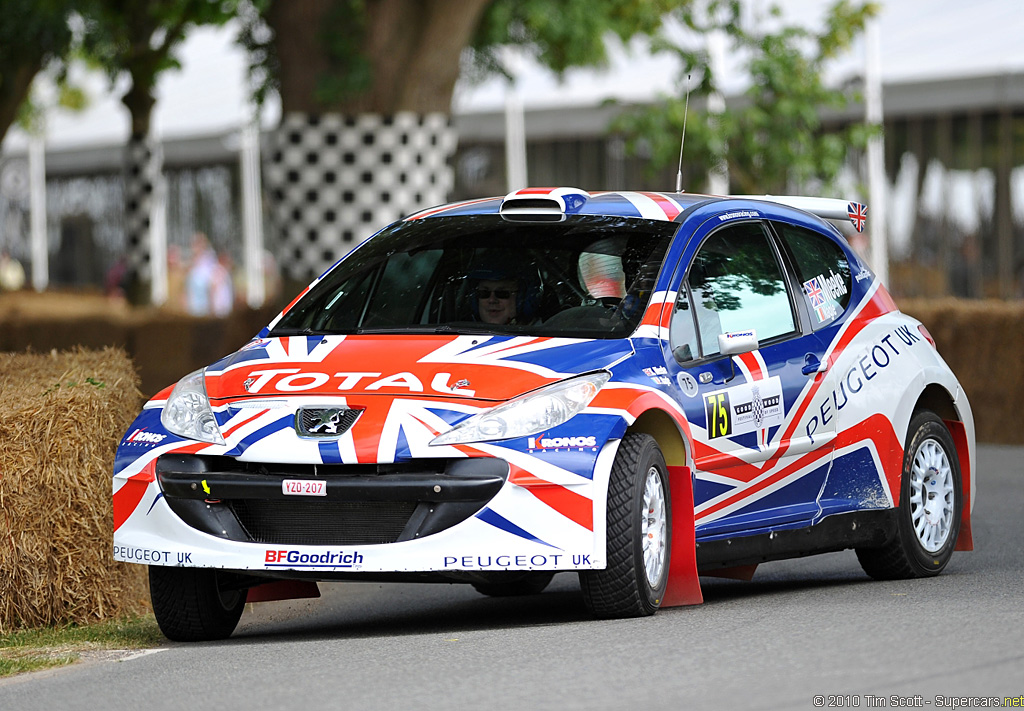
349 69
771 139
139 40
32 34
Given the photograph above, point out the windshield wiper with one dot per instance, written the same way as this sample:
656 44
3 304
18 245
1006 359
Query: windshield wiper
279 332
444 328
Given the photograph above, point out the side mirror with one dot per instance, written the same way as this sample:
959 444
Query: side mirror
737 342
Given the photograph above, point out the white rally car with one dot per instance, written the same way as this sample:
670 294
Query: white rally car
641 387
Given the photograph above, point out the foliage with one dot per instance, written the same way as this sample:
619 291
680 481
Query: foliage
33 33
139 39
771 139
562 35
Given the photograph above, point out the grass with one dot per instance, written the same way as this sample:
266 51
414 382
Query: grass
32 650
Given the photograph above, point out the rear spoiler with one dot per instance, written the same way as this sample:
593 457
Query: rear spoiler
827 208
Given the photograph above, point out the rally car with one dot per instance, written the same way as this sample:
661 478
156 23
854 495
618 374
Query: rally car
640 387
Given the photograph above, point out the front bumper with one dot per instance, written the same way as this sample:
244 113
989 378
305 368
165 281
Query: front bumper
502 512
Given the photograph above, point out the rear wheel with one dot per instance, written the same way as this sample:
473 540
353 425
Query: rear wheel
931 501
195 604
638 535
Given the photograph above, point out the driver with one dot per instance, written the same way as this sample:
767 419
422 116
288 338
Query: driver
502 291
496 300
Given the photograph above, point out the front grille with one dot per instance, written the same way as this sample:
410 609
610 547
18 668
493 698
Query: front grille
325 422
322 522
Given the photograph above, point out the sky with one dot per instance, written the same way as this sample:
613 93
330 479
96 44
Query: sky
921 39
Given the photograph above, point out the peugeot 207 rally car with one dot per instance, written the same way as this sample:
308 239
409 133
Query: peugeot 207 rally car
641 387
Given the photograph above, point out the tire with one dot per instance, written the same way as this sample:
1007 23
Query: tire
638 535
931 502
193 604
518 586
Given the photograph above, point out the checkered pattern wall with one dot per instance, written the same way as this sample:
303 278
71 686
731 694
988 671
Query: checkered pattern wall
142 165
338 179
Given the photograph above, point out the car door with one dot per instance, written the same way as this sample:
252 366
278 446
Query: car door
744 355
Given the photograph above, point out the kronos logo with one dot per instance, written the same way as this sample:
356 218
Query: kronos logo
543 442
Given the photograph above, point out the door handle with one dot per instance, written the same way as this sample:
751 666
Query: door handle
812 365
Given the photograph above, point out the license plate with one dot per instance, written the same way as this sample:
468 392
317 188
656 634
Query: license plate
304 487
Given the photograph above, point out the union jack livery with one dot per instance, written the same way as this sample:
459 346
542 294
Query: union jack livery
640 387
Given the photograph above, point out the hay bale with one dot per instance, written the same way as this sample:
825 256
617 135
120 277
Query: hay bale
981 341
61 417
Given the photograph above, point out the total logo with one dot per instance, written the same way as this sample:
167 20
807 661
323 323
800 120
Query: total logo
290 380
560 442
140 436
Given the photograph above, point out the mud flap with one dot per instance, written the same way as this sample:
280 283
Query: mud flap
283 590
683 585
964 541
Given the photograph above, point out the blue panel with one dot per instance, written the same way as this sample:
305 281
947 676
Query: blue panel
402 445
330 453
499 521
793 503
707 490
149 422
276 426
853 485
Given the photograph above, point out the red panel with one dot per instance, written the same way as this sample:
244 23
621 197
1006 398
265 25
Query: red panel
131 492
683 584
283 590
573 506
965 541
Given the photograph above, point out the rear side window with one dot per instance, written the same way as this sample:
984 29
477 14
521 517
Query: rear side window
823 272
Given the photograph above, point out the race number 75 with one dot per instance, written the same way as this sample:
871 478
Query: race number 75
716 405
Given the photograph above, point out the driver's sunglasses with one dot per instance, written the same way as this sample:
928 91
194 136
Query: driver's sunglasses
483 293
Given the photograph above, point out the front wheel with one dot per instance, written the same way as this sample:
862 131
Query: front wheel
638 535
931 501
195 604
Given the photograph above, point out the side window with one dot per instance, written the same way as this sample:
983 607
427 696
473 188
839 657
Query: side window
822 270
736 283
682 334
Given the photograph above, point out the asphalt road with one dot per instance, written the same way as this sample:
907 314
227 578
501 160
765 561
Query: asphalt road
817 626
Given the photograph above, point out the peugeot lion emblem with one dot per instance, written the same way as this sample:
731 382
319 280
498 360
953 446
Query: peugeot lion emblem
324 421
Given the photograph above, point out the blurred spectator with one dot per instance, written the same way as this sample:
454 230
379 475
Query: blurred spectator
271 281
222 295
207 281
12 274
114 279
175 277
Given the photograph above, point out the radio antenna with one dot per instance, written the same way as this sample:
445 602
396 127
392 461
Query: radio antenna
682 141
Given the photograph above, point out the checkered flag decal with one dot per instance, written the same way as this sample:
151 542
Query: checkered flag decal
142 165
758 406
338 179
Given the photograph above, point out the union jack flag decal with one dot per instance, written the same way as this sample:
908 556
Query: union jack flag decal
817 298
858 214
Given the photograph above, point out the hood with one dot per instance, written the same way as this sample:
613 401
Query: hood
492 368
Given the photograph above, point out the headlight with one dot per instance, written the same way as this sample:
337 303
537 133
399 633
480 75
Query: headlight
528 414
188 412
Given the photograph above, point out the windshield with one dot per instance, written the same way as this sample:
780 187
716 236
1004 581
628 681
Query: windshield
586 277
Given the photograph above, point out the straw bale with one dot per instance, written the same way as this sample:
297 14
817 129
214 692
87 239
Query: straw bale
981 341
61 417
